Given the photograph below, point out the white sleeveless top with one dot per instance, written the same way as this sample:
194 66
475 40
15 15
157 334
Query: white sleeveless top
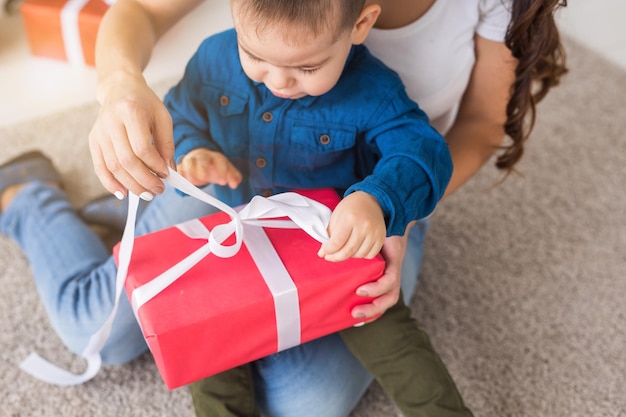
434 55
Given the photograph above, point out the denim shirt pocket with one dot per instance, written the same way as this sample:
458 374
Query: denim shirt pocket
316 146
227 114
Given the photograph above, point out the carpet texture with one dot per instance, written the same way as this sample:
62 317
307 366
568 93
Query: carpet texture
522 288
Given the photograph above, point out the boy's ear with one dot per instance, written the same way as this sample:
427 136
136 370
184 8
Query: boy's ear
364 23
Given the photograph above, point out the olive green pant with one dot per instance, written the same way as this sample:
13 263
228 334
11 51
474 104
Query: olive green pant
393 349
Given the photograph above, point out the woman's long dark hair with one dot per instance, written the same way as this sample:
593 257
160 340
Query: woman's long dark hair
533 38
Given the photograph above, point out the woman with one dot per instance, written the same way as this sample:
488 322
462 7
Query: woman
477 68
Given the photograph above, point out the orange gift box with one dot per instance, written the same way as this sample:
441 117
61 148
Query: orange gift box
63 29
221 312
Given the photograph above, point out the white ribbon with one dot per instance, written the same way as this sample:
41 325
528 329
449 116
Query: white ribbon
305 213
71 31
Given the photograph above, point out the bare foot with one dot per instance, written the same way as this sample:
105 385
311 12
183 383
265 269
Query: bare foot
11 191
8 195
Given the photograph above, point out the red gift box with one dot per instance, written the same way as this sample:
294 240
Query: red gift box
221 313
63 29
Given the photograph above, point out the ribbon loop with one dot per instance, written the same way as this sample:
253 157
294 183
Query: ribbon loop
309 215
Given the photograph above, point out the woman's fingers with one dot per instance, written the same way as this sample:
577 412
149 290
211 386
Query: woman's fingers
131 141
377 307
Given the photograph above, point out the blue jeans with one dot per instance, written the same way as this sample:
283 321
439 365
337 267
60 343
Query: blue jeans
75 277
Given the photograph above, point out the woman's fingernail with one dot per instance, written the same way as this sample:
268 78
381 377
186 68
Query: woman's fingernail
359 324
157 190
362 293
358 316
146 196
119 195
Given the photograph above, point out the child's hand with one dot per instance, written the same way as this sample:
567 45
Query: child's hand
203 166
356 229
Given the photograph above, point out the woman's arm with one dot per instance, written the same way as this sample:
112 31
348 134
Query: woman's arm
132 136
479 127
476 134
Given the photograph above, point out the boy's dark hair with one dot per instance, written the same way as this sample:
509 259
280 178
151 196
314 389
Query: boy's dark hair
318 16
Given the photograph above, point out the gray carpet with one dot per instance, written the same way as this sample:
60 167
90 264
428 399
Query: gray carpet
522 288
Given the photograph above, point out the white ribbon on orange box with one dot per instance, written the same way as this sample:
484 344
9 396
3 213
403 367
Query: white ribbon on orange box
71 31
305 213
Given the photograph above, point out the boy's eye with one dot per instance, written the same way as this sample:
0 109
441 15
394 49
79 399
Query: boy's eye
253 58
303 70
310 70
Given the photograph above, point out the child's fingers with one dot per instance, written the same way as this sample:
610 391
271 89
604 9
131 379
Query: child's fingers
224 173
353 246
338 239
206 167
341 255
234 177
368 249
185 170
189 167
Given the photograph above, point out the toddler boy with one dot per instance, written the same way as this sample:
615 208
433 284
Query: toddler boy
290 99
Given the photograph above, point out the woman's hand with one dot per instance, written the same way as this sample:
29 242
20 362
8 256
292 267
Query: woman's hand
387 287
131 140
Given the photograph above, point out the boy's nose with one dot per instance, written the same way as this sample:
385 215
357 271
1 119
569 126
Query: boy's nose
279 79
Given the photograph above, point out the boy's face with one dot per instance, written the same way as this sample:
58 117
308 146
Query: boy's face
290 63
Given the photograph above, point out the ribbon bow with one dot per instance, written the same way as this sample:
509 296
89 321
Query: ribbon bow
303 212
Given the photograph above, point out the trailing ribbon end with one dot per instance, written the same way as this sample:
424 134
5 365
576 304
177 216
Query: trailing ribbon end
43 370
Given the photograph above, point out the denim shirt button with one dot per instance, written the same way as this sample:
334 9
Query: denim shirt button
267 193
224 100
267 117
261 162
324 139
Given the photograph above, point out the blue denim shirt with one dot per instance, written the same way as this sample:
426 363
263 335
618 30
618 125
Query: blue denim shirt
364 134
